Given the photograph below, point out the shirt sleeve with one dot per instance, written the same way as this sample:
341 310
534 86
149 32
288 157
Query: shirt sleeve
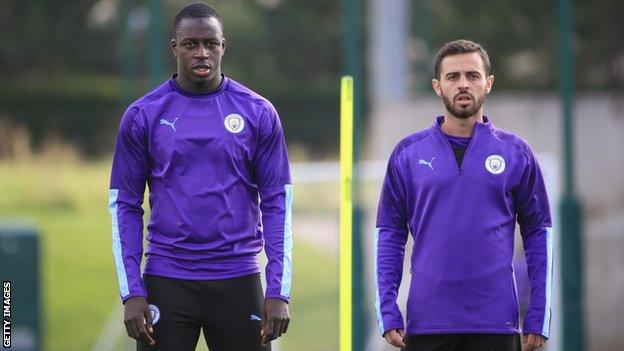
272 174
537 238
127 186
390 238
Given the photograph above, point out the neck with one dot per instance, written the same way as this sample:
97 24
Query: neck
461 127
207 87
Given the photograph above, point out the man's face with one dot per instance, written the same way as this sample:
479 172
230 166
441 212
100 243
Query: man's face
198 47
463 84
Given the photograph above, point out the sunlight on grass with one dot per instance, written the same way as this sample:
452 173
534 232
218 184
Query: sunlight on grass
68 202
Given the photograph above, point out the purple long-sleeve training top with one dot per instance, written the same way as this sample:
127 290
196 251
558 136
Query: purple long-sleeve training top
219 188
462 220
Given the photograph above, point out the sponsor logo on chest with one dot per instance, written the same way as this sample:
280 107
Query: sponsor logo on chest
428 163
166 122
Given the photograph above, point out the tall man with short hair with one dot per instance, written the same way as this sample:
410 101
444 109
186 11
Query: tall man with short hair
214 156
459 188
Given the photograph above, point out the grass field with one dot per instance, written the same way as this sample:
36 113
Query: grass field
67 200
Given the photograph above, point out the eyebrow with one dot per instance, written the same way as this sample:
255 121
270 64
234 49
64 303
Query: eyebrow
214 38
457 72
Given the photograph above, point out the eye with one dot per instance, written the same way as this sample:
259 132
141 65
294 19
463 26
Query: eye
189 44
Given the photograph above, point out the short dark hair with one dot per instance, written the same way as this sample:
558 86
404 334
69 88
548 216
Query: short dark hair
461 46
196 10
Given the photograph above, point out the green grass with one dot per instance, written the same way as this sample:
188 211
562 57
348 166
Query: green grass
68 202
314 305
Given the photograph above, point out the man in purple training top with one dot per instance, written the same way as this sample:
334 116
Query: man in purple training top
213 154
458 187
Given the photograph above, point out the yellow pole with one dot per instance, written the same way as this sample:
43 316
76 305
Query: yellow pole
346 210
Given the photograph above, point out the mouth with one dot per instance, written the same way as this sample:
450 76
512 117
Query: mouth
201 69
464 99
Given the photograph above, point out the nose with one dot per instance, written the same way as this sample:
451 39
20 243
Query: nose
202 51
463 83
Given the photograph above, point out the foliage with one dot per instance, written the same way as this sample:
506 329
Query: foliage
522 38
65 72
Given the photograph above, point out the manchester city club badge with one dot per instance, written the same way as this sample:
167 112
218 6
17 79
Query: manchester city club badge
234 123
495 164
155 312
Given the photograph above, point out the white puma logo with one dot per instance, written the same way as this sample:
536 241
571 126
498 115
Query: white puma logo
428 163
170 124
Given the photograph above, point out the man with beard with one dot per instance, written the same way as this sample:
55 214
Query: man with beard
459 187
209 148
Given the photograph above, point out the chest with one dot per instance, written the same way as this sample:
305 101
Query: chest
488 166
202 133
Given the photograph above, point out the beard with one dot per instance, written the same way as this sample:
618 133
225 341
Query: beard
463 112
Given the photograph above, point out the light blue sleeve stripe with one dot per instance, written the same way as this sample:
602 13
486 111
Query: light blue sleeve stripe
121 269
377 297
549 276
288 242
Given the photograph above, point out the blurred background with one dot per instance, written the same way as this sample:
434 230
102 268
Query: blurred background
70 68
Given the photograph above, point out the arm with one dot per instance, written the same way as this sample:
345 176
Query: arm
128 177
272 174
533 213
127 186
390 238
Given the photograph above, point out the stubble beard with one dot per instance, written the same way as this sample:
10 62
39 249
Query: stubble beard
460 112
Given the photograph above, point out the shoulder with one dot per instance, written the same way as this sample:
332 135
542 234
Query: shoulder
245 95
153 96
512 141
411 141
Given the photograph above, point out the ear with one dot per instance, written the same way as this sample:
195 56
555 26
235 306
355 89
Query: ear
489 81
223 42
435 84
174 47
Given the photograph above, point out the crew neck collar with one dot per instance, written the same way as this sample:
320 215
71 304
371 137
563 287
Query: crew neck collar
224 83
